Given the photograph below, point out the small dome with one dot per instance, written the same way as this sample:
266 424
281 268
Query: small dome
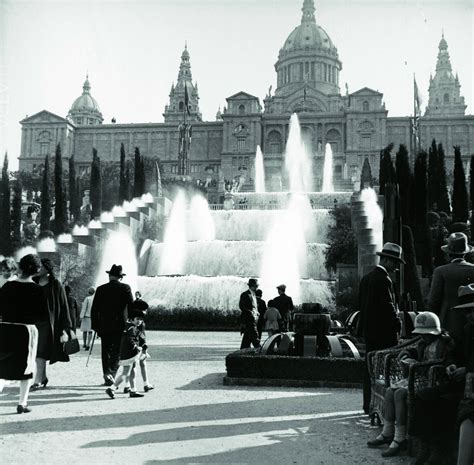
85 101
443 45
185 54
308 35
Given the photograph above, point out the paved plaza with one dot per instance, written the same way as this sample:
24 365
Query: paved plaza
189 418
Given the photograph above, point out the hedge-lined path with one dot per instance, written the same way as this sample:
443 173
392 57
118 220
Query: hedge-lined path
189 418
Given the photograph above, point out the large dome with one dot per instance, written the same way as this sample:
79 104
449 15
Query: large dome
85 109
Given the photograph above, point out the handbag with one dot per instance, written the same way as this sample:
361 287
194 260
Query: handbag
72 345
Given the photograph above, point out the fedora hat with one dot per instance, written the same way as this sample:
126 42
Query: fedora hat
457 244
116 270
252 282
465 296
393 251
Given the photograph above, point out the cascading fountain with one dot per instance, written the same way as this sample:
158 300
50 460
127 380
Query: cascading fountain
203 228
328 185
259 172
374 215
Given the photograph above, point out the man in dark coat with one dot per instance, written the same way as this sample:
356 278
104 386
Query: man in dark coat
108 316
379 323
262 308
445 284
249 317
284 304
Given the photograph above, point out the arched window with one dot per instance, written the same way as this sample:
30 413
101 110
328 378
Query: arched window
274 142
333 136
241 109
181 106
446 98
365 106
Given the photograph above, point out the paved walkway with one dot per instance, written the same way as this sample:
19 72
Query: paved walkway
189 418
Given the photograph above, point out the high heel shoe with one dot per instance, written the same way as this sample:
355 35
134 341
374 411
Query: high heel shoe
41 385
22 409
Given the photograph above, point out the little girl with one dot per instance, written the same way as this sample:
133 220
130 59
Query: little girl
272 320
85 317
130 351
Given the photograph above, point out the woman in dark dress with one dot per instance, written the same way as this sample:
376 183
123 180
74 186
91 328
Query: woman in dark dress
59 319
21 301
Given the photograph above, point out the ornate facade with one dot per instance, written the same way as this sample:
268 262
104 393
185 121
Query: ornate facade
356 124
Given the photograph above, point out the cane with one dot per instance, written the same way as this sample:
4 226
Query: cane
92 346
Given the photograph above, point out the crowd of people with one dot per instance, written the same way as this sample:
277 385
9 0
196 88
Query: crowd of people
39 317
446 335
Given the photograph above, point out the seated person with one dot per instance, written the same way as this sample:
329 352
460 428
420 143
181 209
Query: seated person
434 345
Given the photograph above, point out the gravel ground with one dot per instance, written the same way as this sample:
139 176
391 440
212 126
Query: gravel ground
189 418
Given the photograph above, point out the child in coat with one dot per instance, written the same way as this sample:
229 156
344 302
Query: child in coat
272 320
130 351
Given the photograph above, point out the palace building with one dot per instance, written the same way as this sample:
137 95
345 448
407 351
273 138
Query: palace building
356 124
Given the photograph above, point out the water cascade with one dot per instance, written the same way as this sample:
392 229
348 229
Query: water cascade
374 214
259 172
328 185
203 228
172 261
119 249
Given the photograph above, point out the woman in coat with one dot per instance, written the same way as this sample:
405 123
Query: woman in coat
60 323
22 302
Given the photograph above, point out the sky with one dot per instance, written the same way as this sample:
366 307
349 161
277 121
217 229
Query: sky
132 49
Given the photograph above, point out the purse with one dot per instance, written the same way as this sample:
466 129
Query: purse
72 345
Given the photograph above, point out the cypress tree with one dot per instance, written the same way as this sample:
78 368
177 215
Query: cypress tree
410 276
127 183
45 198
123 180
5 238
60 205
74 207
96 186
16 216
460 200
387 171
420 200
443 202
404 176
433 186
138 174
471 194
143 175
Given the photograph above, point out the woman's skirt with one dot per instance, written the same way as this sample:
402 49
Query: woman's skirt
86 325
130 361
18 345
45 340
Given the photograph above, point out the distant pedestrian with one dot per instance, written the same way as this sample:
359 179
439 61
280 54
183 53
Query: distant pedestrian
130 351
23 303
109 314
249 315
73 307
272 321
378 322
445 284
284 304
262 308
8 270
85 316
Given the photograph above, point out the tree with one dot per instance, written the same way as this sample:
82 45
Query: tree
404 176
387 171
74 202
5 239
444 204
433 195
127 182
45 198
471 193
460 200
420 199
60 205
16 216
96 186
123 188
139 175
410 276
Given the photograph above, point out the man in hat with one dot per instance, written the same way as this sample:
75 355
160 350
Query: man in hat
108 316
446 281
284 304
379 323
249 317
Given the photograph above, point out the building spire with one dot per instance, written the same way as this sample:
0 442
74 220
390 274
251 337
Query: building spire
308 11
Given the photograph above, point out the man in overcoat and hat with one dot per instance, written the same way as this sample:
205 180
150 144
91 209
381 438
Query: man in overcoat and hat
379 323
249 317
108 316
446 281
284 304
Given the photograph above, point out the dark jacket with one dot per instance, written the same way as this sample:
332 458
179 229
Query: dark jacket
249 315
444 294
73 310
378 322
129 344
444 349
284 304
110 307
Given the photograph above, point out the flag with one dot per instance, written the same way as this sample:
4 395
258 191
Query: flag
186 98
